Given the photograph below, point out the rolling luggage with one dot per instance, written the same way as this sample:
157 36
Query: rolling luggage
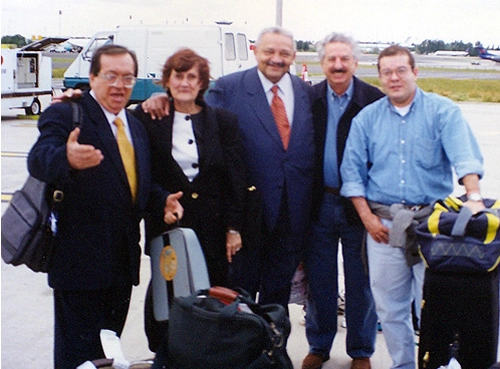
460 307
178 269
459 312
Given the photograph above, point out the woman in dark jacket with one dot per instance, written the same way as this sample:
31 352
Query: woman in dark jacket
196 149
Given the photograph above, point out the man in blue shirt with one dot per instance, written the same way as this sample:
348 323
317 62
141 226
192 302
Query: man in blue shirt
337 100
401 150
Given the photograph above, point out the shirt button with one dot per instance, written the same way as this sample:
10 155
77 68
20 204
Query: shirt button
403 161
403 142
402 181
403 121
190 142
194 195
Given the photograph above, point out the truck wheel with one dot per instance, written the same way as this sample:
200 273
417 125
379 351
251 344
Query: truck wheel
35 108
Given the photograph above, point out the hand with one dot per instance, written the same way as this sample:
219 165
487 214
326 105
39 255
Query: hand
474 206
233 245
68 95
173 208
158 106
81 156
375 228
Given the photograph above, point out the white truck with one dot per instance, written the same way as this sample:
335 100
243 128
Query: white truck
26 81
227 49
27 77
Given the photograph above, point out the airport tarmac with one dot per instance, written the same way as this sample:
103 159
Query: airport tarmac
430 66
26 305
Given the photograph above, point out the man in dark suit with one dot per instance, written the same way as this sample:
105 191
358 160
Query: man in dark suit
279 158
336 101
106 183
279 164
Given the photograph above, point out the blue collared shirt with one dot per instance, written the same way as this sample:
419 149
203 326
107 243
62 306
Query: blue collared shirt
394 159
336 108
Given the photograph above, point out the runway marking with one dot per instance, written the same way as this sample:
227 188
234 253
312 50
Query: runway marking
6 197
14 154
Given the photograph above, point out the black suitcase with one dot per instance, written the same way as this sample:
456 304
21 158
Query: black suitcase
460 308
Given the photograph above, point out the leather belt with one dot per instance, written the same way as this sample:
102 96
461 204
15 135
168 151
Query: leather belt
333 190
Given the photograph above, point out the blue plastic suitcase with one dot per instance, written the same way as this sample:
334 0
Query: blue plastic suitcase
178 268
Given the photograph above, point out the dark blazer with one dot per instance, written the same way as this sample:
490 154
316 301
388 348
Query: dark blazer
98 229
213 201
269 165
363 95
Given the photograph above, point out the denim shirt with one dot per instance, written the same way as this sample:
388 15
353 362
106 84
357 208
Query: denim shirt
394 159
336 108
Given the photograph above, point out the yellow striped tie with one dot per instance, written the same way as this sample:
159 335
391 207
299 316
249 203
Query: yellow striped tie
128 156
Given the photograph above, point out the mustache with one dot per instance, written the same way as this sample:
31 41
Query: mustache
338 71
273 64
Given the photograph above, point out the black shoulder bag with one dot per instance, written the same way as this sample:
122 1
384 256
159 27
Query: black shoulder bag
220 328
29 223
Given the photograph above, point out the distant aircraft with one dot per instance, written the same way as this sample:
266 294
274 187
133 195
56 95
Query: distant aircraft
483 53
451 53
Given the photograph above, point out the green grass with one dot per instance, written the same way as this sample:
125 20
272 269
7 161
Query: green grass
58 72
458 90
61 60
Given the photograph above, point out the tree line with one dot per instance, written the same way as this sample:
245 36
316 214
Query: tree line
426 47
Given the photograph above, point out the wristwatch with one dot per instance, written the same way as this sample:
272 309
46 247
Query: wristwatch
474 196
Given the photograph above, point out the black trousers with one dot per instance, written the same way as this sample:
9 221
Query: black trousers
268 265
79 317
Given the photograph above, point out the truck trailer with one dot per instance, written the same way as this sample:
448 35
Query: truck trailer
26 81
227 49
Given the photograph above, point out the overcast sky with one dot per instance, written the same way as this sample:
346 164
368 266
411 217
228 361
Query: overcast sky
366 20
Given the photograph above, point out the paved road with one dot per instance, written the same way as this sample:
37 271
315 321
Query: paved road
27 322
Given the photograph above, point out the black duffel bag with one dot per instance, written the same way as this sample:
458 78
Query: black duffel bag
220 328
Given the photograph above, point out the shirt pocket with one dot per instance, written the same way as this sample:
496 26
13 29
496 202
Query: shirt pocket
428 153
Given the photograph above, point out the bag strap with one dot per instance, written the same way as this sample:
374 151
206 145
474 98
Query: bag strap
77 119
77 114
461 222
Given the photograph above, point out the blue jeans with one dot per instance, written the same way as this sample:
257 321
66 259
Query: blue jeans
394 287
322 273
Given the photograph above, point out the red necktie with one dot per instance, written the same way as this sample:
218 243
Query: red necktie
279 112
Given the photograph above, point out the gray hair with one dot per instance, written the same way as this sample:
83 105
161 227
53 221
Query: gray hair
276 31
338 37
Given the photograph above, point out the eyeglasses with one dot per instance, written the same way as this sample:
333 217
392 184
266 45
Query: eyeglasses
112 80
400 72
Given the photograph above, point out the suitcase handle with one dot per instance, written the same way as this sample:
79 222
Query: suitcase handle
225 295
